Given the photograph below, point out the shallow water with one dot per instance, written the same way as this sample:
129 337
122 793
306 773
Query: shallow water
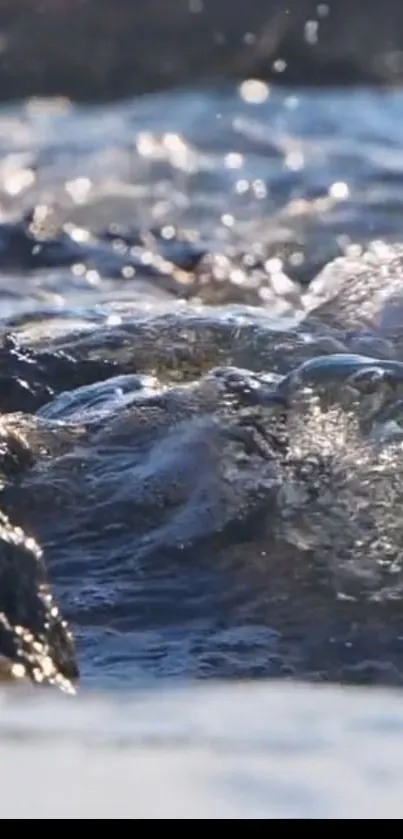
224 752
201 516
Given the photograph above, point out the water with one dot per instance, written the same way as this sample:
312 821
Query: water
240 752
212 503
155 241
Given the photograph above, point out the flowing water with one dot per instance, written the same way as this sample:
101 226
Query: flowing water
202 378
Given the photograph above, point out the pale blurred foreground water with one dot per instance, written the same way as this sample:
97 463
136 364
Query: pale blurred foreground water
217 752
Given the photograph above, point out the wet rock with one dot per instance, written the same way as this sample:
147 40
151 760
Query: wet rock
28 380
35 641
199 472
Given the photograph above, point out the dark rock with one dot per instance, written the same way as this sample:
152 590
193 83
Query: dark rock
35 641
